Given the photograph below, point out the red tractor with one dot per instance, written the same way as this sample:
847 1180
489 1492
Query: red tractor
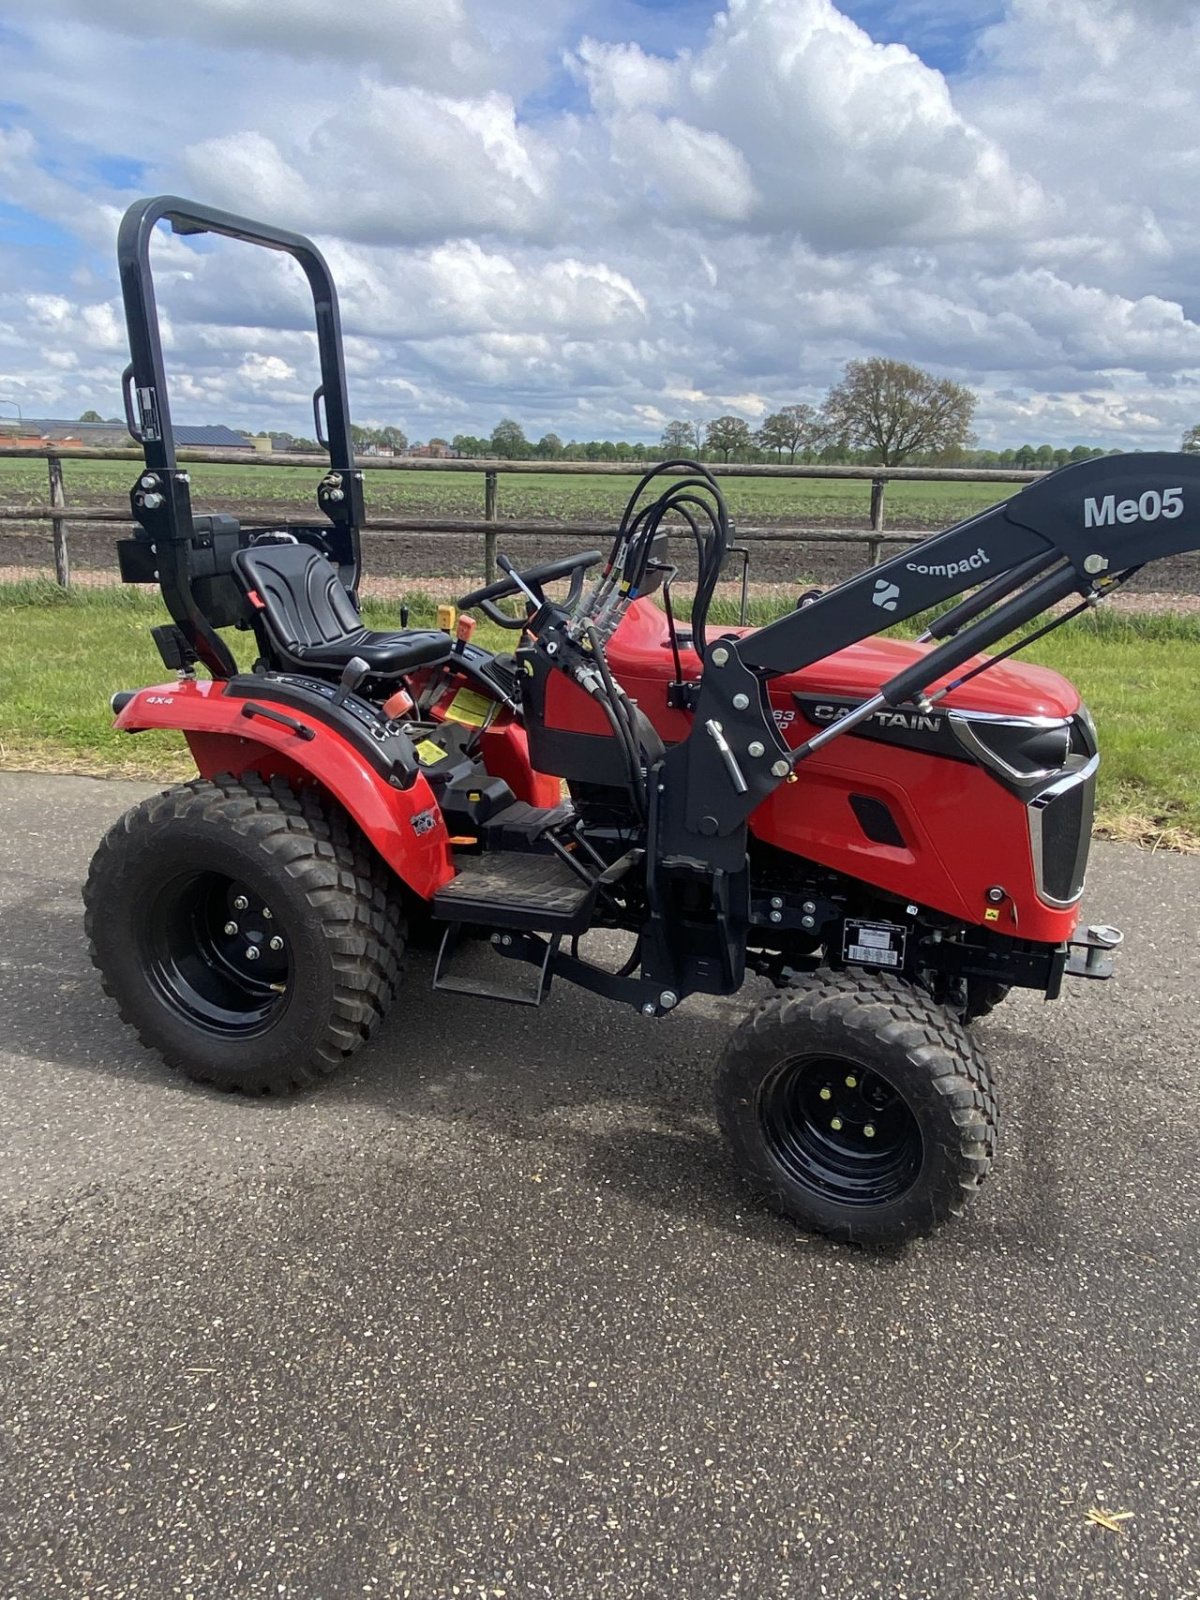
893 833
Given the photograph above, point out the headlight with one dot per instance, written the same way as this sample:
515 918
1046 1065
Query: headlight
1022 751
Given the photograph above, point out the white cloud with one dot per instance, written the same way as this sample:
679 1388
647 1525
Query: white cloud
658 231
432 42
257 368
1098 97
792 119
392 165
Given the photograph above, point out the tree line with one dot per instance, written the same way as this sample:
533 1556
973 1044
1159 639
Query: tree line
880 412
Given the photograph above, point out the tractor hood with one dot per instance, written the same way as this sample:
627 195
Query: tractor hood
641 650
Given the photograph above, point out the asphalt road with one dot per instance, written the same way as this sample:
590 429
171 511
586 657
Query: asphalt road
489 1316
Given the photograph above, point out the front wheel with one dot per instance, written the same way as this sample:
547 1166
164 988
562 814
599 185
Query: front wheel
245 930
858 1107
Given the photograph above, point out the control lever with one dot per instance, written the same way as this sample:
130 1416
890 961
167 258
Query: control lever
509 570
353 673
716 733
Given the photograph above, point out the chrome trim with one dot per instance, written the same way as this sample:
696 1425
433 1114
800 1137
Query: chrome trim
960 726
1065 784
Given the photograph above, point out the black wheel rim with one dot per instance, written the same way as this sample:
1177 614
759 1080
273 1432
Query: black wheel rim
216 954
840 1130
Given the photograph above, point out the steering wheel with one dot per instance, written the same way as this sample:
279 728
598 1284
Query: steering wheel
515 582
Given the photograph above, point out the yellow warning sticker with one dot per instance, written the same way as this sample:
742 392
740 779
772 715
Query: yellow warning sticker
428 753
469 708
991 915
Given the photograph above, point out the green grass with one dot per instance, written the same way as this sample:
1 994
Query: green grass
521 495
63 653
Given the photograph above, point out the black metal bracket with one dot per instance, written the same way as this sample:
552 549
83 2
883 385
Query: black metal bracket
726 767
644 995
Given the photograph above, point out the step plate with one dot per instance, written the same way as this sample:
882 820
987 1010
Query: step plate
513 889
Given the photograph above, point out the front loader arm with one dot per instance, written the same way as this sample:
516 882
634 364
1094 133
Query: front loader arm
1074 531
1093 518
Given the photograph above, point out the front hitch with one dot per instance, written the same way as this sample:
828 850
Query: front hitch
1094 955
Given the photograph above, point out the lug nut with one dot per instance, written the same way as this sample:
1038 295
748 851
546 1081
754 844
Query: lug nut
276 943
836 1124
231 928
852 1082
869 1131
240 903
826 1094
252 952
267 913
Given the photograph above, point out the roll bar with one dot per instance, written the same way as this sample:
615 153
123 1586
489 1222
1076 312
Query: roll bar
189 557
144 382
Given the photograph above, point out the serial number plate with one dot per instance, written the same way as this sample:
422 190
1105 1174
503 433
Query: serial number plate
874 944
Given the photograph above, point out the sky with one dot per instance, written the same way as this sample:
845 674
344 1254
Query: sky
598 217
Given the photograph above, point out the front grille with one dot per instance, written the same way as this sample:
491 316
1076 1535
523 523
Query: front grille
1060 828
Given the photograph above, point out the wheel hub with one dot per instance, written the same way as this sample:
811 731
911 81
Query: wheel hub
215 952
841 1130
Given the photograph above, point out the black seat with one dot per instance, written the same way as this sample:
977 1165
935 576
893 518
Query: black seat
314 623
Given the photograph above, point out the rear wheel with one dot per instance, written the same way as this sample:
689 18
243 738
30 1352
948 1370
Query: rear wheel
858 1106
245 930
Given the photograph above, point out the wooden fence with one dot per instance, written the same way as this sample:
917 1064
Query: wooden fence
57 512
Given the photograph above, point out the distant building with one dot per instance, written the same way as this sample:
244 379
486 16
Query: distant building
215 437
34 431
53 430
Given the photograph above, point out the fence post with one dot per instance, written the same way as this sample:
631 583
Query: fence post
58 497
490 483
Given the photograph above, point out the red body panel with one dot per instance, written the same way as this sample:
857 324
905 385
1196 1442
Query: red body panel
216 731
505 751
966 833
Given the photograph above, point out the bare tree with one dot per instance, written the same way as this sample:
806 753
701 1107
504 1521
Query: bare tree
1191 441
728 435
792 428
681 438
897 410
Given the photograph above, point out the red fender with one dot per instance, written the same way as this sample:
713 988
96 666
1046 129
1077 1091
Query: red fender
404 825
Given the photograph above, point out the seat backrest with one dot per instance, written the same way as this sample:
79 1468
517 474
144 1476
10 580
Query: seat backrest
299 593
